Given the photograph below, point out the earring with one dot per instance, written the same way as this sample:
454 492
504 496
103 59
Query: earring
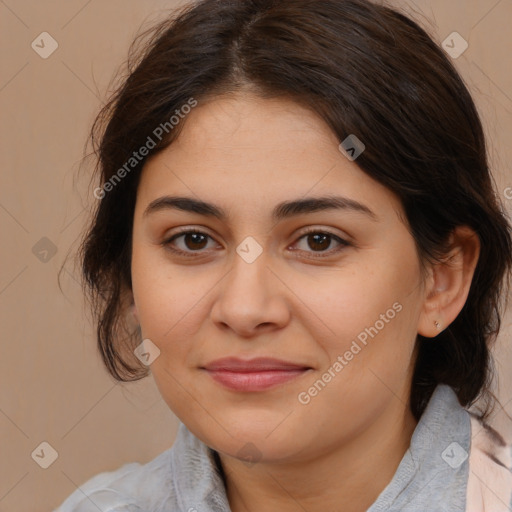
438 325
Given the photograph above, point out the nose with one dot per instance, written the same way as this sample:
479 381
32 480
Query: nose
251 299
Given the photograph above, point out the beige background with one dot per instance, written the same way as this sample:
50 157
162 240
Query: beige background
54 387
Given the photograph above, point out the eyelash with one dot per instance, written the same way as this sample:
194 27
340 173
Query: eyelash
321 254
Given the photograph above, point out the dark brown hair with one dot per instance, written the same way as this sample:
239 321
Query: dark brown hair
365 69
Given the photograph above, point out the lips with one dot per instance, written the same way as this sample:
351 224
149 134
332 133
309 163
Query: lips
255 374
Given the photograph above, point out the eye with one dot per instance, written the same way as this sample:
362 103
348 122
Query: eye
195 241
320 241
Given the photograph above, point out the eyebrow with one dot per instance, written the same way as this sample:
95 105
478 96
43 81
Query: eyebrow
281 211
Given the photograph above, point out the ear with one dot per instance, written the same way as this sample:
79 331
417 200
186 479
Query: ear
135 312
448 283
133 308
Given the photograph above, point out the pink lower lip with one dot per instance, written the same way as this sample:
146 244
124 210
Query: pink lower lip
254 381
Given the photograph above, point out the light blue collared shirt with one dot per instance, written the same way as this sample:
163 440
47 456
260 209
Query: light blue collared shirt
431 477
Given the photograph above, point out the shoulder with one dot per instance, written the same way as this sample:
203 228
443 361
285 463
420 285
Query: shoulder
179 477
490 470
130 488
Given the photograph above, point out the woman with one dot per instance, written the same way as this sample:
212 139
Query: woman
297 233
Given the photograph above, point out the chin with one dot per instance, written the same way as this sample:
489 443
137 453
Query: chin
250 436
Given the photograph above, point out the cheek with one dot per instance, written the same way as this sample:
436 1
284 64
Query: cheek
167 316
367 361
156 295
165 297
368 316
172 304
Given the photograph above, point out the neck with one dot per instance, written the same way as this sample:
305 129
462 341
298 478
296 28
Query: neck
348 477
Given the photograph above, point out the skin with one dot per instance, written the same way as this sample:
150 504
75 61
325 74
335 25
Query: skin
246 154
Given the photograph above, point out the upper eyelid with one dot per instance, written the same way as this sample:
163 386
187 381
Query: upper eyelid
300 232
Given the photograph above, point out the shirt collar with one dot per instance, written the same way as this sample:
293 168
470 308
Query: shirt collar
433 471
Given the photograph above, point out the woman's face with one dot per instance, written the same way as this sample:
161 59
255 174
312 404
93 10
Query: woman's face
338 307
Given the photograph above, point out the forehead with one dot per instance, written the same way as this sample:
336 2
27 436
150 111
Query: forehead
247 118
246 150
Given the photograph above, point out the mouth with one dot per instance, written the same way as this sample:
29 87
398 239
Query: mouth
255 374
